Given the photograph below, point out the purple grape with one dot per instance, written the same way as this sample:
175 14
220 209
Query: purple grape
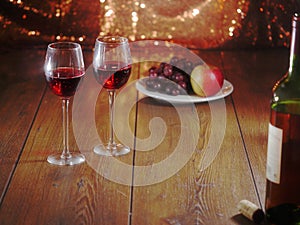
182 84
153 74
168 70
152 69
171 78
160 69
178 77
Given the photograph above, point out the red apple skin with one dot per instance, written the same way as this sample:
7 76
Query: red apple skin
206 80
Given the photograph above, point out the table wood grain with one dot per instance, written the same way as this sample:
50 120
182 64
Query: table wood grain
204 190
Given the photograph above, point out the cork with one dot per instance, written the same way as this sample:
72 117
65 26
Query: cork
251 211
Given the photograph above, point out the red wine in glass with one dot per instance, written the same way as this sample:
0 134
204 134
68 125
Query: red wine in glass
64 81
112 67
64 68
111 77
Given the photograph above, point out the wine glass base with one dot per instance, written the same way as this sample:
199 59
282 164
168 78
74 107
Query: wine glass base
111 150
58 159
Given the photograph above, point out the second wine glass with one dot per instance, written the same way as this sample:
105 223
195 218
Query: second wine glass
112 68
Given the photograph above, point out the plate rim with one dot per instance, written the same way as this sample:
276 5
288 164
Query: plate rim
184 98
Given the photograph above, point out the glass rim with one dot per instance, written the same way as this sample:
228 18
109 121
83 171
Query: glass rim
64 45
112 39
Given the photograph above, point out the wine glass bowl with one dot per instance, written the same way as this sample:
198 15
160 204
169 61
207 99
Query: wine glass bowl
64 68
112 69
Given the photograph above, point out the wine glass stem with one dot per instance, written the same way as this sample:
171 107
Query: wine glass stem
65 110
111 95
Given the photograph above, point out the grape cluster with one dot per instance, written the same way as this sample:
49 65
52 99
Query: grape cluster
171 78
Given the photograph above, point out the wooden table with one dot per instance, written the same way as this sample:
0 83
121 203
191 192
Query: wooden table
34 192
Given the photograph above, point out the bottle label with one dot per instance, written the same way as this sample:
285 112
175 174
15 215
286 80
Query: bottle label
274 153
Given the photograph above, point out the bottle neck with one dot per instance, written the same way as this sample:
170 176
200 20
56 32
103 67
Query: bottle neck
294 67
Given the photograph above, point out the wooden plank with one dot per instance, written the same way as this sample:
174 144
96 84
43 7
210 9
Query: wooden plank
192 196
21 89
254 73
41 193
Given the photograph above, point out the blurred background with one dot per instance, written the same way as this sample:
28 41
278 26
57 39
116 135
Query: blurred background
200 24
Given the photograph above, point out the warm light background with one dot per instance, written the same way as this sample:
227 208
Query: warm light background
202 24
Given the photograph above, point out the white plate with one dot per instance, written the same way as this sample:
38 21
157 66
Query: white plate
226 90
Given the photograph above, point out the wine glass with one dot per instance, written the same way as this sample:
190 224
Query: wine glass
112 68
64 68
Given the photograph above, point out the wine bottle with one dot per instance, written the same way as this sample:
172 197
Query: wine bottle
283 157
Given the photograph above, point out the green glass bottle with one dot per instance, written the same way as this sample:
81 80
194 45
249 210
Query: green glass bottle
283 159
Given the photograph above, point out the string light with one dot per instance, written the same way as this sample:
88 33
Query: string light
204 24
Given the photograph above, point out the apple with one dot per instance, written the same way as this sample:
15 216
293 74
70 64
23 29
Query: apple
206 80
